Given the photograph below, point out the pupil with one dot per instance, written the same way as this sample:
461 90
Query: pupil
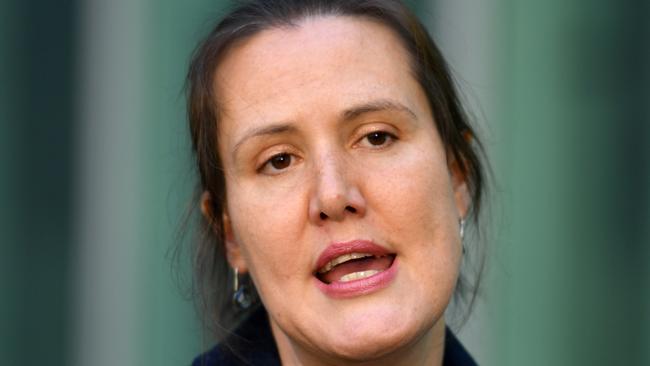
280 161
377 138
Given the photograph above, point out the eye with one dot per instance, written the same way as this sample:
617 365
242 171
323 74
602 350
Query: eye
277 163
379 138
280 161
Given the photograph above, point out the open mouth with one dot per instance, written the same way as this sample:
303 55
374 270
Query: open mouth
354 266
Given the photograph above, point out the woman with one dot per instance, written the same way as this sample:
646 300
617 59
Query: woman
337 171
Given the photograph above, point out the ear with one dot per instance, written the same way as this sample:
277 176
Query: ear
459 185
233 249
206 206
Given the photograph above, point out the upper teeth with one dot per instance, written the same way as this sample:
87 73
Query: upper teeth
342 259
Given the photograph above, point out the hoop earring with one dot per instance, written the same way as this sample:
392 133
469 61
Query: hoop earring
461 225
240 297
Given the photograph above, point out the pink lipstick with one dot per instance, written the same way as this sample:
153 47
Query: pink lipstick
354 268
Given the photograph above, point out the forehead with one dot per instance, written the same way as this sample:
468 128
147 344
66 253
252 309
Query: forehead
322 64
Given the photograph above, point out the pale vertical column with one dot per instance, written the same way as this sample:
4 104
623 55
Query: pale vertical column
135 179
109 207
464 31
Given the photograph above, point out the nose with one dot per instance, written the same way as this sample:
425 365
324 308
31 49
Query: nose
336 193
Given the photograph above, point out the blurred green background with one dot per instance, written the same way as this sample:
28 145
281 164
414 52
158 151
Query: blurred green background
95 175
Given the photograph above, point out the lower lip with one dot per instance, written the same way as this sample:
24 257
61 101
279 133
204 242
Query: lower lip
361 286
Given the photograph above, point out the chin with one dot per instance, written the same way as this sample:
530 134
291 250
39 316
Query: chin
367 349
383 336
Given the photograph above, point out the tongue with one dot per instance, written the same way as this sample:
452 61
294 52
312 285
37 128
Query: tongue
358 265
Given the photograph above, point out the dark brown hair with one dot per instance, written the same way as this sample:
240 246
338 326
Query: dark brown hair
212 275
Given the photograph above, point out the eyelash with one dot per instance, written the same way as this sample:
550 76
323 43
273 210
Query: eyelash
389 140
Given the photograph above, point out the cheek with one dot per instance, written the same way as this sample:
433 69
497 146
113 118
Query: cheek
414 203
268 227
415 194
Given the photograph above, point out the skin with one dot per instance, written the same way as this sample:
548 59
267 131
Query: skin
286 91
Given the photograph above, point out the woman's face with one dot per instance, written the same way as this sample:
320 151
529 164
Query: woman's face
331 155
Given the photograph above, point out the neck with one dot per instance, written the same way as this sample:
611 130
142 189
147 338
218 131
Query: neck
427 349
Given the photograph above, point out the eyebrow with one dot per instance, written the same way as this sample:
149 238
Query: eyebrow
376 106
274 129
347 115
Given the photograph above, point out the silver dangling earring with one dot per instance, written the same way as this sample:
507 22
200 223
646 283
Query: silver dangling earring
461 224
240 297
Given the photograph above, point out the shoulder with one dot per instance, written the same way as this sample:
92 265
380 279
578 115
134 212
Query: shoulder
250 344
455 354
221 355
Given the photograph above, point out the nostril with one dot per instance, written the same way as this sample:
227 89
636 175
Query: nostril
323 216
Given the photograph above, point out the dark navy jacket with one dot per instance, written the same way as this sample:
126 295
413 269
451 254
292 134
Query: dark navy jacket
253 344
